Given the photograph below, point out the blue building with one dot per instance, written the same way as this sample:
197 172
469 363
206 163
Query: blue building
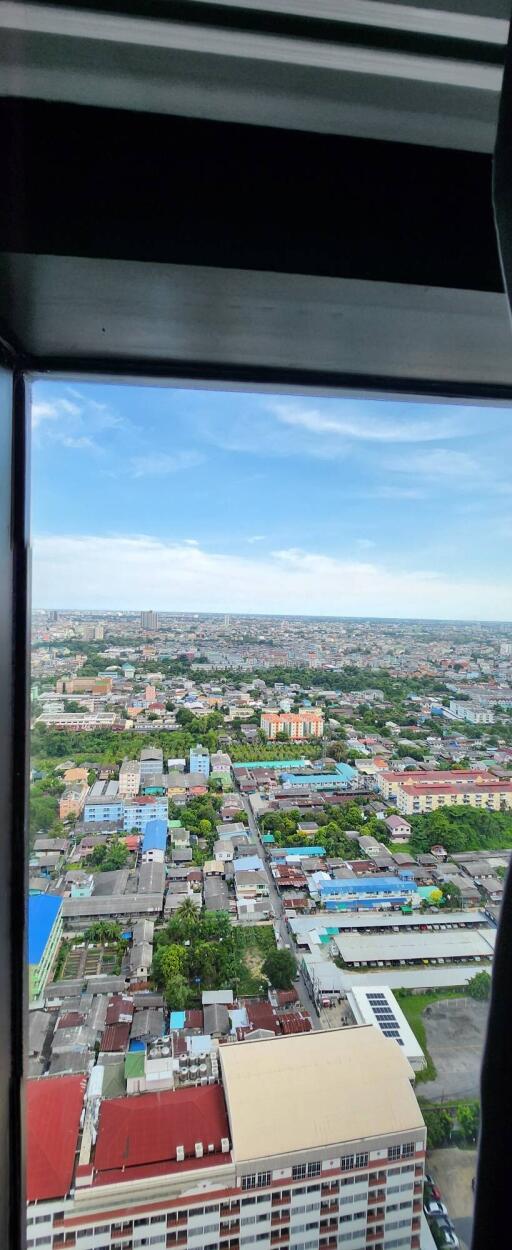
299 852
200 760
340 779
247 863
97 810
139 812
155 840
365 892
44 934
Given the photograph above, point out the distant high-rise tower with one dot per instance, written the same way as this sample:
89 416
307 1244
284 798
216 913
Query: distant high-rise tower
227 620
149 621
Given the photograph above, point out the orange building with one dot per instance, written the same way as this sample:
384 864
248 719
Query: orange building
306 723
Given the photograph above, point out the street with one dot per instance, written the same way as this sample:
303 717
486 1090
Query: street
279 917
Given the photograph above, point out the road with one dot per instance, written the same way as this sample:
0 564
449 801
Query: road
279 917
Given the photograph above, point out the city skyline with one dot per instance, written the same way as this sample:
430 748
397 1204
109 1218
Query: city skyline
211 501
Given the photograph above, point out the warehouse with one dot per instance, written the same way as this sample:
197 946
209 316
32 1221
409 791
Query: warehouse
453 946
307 929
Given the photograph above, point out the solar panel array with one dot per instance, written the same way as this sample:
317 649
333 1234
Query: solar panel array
384 1016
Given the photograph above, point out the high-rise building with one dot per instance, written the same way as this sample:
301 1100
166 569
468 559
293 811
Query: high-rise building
129 778
306 723
149 621
99 633
312 1140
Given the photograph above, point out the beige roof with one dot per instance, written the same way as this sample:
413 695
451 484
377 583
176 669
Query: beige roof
316 1089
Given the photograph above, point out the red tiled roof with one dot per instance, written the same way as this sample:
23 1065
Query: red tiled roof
54 1107
294 1022
145 1132
286 996
261 1015
116 1037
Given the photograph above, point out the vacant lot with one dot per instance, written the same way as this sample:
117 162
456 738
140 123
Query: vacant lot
453 1170
455 1032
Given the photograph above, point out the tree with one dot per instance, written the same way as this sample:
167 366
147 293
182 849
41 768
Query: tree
479 986
439 1126
452 896
176 993
280 969
103 931
468 1116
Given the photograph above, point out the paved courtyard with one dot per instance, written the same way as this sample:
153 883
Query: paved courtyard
455 1030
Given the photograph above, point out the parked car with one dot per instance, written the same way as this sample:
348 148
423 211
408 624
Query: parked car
432 1190
448 1236
435 1207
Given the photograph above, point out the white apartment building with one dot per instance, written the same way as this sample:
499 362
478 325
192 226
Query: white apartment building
129 778
471 712
309 1142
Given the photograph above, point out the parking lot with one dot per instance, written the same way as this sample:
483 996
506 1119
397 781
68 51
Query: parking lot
453 1169
455 1029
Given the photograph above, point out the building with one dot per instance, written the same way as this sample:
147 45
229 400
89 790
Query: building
44 934
138 812
154 842
72 800
309 1136
471 712
360 950
306 723
413 793
151 761
149 621
199 760
129 778
364 892
399 829
380 1008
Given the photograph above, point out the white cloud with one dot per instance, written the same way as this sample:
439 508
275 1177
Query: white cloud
124 572
52 410
256 538
356 424
365 544
160 464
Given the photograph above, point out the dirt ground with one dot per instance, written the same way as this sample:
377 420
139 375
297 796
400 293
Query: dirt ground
455 1030
453 1169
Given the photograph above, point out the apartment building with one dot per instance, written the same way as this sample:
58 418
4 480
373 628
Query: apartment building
199 760
84 685
138 812
129 778
364 893
471 712
44 934
310 1141
413 793
306 723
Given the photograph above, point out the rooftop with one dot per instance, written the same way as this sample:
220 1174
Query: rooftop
54 1107
292 1093
42 913
139 1133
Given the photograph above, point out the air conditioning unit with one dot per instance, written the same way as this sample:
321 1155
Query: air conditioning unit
224 1145
211 1148
180 1153
199 1149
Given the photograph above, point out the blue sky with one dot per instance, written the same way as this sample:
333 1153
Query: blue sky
226 501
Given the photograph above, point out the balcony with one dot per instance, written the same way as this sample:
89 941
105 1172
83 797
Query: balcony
280 1200
374 1235
376 1178
376 1197
176 1241
327 1207
283 1218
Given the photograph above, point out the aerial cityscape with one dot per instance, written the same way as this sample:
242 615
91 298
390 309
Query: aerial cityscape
267 856
270 816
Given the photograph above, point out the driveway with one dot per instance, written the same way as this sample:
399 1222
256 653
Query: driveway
453 1170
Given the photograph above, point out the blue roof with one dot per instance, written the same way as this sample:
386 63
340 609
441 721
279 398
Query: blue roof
42 912
367 885
251 863
155 835
177 1019
304 852
326 780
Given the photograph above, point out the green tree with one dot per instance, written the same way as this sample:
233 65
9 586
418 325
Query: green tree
452 896
479 986
103 931
280 968
439 1127
468 1115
